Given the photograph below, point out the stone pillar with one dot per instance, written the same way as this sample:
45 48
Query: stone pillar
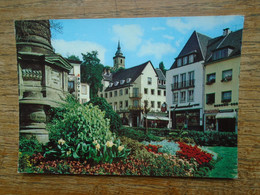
43 77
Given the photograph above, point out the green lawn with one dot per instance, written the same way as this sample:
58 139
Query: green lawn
226 167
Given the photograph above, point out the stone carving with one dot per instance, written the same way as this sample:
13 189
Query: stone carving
29 74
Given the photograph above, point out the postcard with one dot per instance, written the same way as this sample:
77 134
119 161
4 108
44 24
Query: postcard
129 96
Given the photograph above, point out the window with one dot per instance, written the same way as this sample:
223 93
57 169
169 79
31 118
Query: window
145 103
191 58
136 103
152 104
126 91
101 95
110 94
159 92
120 104
191 79
149 79
110 84
121 92
158 104
183 96
105 95
145 91
210 98
175 98
164 93
71 87
211 78
72 71
226 96
222 53
152 91
126 103
185 60
227 75
115 93
175 82
116 83
179 62
84 89
183 80
122 82
128 80
135 92
190 96
115 106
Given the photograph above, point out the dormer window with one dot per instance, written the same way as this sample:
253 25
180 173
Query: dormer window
122 82
116 83
222 53
185 60
191 58
179 62
110 84
128 80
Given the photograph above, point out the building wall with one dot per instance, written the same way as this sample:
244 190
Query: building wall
81 89
143 83
218 87
198 89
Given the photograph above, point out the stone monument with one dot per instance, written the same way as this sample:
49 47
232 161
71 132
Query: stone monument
43 76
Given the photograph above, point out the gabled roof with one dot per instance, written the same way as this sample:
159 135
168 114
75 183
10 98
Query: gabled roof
232 40
197 43
160 74
132 73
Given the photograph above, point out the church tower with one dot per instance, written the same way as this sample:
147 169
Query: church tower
119 59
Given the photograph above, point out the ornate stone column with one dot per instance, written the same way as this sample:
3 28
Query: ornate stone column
43 76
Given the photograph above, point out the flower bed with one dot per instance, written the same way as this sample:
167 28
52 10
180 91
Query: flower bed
187 161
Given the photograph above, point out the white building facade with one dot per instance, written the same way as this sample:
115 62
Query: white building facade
184 85
75 86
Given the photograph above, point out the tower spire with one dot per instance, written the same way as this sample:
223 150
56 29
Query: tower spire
119 59
118 52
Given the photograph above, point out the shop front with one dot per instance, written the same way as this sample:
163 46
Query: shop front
222 121
187 119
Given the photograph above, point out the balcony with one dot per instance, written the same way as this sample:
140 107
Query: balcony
135 95
183 85
135 108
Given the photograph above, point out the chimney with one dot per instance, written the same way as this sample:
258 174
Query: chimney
226 31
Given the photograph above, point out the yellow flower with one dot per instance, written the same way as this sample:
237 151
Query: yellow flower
120 148
68 153
61 141
95 142
109 144
97 147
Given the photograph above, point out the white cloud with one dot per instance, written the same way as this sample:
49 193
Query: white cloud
67 48
168 37
158 28
201 23
155 49
178 42
130 35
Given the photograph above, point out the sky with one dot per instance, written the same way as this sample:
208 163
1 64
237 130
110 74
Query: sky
141 39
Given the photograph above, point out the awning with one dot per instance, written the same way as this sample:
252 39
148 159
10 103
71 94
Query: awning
151 118
160 118
226 115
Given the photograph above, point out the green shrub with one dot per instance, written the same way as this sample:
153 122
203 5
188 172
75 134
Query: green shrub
29 145
115 121
82 133
137 134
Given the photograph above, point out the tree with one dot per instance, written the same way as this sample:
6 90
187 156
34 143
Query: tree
73 57
91 72
115 121
162 67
